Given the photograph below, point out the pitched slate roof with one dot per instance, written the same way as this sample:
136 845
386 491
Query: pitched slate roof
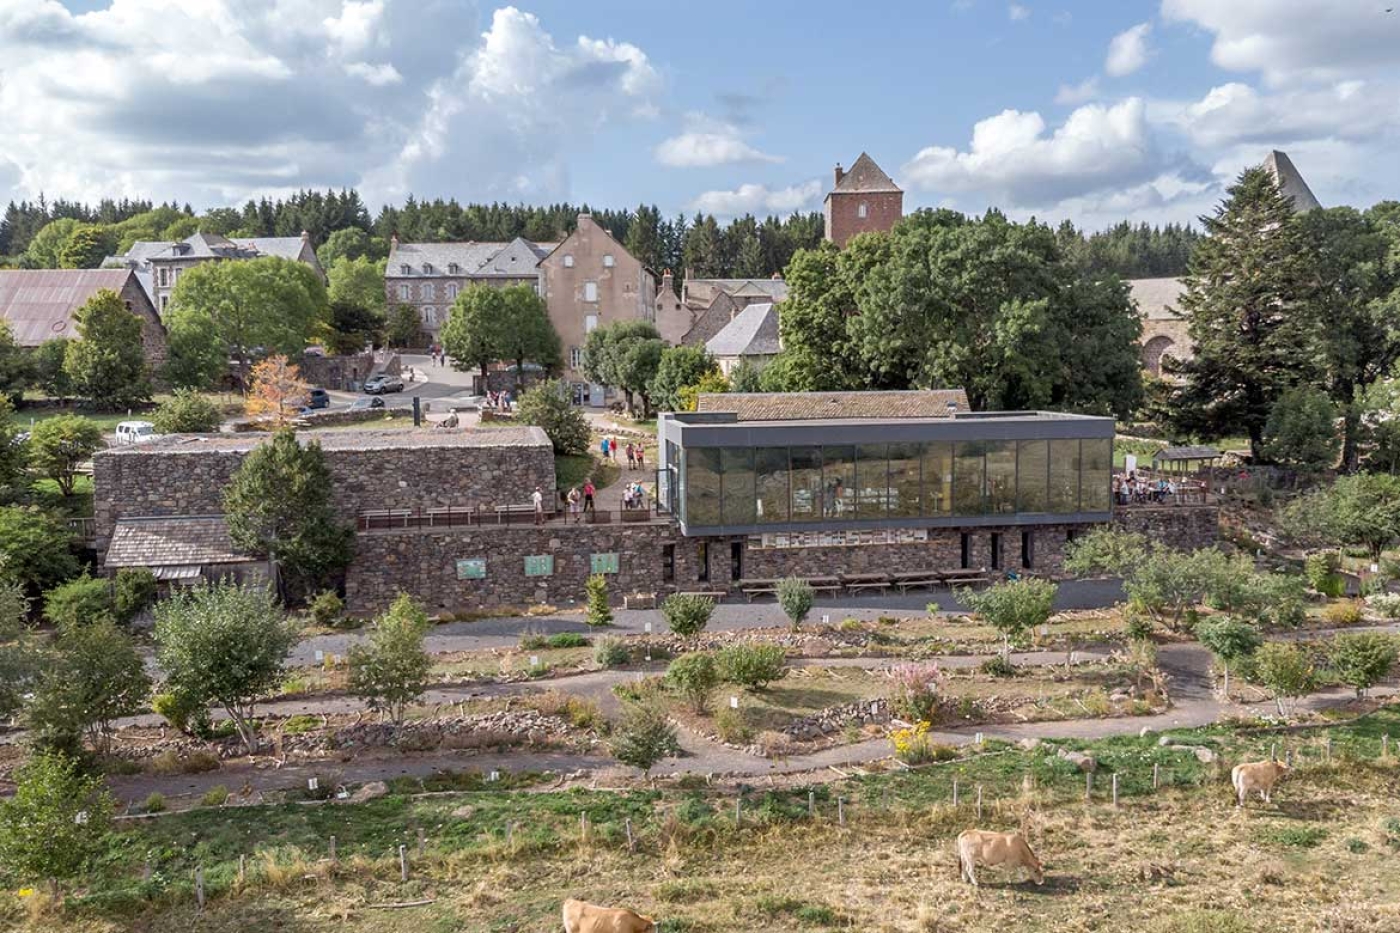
203 246
753 332
172 542
864 175
1157 299
288 247
1185 453
813 406
519 257
744 288
1290 181
39 304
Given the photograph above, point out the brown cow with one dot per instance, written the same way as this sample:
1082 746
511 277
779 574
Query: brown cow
580 917
978 847
1256 775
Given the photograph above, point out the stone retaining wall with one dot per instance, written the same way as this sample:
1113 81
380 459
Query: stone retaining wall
1184 527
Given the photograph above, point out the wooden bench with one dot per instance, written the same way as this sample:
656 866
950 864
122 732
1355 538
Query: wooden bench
386 518
752 588
865 581
955 577
824 584
907 580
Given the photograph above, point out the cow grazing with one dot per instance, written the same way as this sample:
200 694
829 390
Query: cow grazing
580 917
1256 775
994 850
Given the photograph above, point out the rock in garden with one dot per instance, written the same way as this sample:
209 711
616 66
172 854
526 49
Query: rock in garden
464 812
371 791
1080 760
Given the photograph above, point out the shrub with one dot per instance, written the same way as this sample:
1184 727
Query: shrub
532 641
644 736
154 802
753 666
578 712
79 602
1320 568
998 666
1137 624
1287 671
187 412
1385 605
326 609
731 727
1344 613
182 711
566 640
933 609
611 652
913 746
687 614
134 590
41 833
196 762
694 676
915 694
599 613
1362 659
796 596
547 405
215 796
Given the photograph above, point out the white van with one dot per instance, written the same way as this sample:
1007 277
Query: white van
136 432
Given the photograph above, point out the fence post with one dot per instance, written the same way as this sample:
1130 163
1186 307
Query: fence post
332 850
1385 745
1115 789
1088 785
979 803
583 827
811 803
955 792
1288 757
1327 747
841 810
738 810
146 870
631 843
1156 775
510 835
403 863
242 868
199 886
1273 751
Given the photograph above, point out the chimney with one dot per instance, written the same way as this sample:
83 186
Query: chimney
305 237
393 241
777 276
840 173
668 282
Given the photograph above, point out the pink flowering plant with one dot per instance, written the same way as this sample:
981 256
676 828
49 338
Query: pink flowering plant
914 697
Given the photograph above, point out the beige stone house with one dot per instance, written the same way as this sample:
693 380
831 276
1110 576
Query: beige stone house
40 305
428 276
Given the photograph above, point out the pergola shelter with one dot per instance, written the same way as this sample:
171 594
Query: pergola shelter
1185 460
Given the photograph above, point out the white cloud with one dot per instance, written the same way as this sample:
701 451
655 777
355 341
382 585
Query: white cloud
1083 92
356 27
1128 51
1236 112
1018 12
378 75
707 142
1291 40
1013 161
758 199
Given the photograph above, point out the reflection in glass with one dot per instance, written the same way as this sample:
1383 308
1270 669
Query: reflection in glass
1098 466
806 484
1031 466
1064 476
938 478
738 506
1001 476
872 481
771 484
904 479
702 486
839 482
968 464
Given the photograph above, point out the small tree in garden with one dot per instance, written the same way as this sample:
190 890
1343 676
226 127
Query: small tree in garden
226 645
796 597
599 613
1013 608
687 614
58 445
79 601
1231 641
133 591
276 391
57 823
694 676
915 693
644 736
1287 671
1362 659
547 406
753 666
390 672
187 412
1107 549
93 678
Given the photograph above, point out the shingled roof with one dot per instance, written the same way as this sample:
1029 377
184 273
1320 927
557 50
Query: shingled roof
864 175
172 542
519 257
813 406
39 304
753 332
1290 182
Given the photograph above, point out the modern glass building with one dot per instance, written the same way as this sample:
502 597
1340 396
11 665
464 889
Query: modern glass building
721 473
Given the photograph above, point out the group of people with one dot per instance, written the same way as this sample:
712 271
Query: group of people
577 503
1136 490
636 453
499 401
634 496
438 354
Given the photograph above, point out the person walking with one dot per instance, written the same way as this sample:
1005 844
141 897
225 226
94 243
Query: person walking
588 491
641 457
604 444
574 502
631 456
538 498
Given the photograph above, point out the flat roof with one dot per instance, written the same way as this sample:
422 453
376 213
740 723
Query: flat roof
844 406
369 439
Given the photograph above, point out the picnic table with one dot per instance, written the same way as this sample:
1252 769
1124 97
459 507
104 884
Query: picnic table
824 584
908 579
865 581
952 577
758 587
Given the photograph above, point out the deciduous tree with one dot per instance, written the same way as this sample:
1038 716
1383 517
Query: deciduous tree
389 671
35 548
472 335
58 445
1362 659
1013 608
107 364
1231 641
680 367
1302 429
276 391
187 412
57 823
94 677
547 406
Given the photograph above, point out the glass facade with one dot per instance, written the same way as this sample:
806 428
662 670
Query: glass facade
745 486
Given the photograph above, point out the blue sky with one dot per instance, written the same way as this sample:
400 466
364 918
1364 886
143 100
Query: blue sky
1096 111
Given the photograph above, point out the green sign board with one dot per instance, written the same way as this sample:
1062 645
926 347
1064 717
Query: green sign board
471 569
605 563
539 565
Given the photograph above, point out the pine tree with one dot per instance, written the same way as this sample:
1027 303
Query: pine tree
1243 302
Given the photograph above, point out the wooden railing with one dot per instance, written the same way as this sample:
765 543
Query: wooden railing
489 516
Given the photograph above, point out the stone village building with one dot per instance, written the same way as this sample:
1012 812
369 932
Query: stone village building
751 488
41 304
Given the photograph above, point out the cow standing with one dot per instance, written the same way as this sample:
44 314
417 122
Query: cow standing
580 917
1258 776
994 850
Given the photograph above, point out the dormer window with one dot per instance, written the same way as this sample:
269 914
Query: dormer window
405 269
608 261
863 210
568 260
453 268
427 268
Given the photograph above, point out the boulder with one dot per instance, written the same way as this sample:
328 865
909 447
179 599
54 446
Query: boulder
464 812
1204 755
1029 743
1080 760
371 791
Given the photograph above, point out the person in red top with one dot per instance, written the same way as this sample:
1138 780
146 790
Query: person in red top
588 491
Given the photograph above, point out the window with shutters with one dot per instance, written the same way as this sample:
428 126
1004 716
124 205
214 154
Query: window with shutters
590 291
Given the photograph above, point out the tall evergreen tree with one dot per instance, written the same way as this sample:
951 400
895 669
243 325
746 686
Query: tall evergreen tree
1244 303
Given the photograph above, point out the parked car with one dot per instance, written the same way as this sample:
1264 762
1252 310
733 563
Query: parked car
378 385
136 432
364 404
463 403
318 398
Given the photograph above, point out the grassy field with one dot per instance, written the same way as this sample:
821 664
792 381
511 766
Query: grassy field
1178 860
35 409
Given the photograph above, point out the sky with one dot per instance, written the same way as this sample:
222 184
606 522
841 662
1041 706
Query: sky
1096 111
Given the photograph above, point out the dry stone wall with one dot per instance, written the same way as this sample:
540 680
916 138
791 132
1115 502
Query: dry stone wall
1185 527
